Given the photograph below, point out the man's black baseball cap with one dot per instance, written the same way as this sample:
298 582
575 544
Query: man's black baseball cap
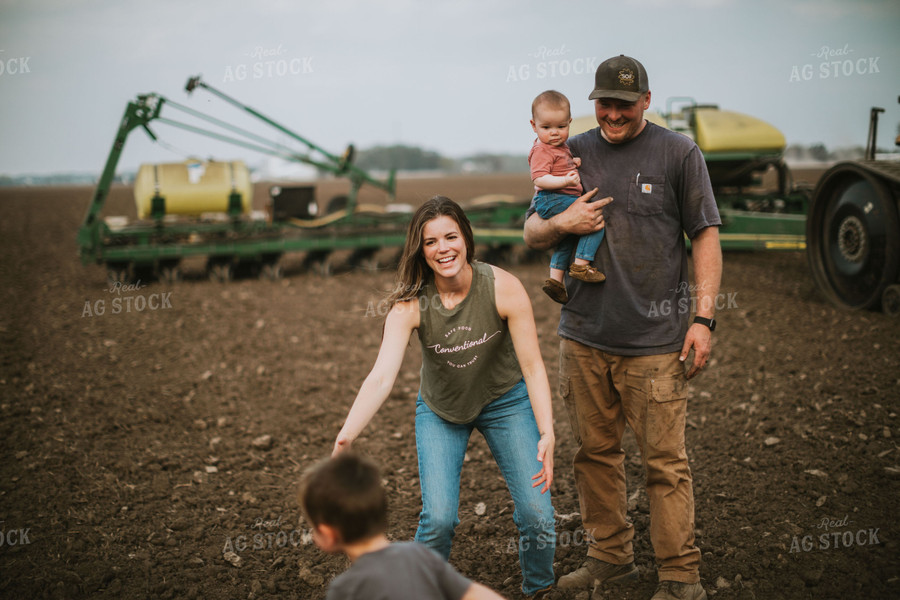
620 77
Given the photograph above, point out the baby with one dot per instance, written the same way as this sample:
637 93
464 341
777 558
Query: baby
557 185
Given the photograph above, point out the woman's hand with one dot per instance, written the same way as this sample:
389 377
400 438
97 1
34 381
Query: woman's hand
545 456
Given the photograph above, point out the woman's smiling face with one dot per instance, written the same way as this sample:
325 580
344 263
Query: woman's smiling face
443 247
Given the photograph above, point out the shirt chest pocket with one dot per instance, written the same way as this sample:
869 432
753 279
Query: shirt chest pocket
646 195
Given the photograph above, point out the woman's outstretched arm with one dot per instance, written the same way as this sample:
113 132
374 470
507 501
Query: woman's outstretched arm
402 319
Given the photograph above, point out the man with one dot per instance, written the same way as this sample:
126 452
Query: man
625 343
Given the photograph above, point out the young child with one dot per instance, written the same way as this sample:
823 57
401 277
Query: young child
346 505
557 185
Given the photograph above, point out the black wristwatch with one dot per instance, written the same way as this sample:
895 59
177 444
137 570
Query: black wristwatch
711 323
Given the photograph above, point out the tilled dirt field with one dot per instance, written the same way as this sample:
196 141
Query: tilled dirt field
148 431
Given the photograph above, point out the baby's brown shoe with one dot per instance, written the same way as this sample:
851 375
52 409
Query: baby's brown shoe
586 273
556 291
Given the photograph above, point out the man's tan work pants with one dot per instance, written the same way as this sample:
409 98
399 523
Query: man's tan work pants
602 392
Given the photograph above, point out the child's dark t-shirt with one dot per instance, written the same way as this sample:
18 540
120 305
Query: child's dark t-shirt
402 571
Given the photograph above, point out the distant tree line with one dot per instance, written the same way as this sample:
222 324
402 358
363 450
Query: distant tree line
820 153
410 158
413 158
52 179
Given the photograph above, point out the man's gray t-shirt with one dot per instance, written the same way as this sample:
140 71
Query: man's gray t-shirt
661 191
402 571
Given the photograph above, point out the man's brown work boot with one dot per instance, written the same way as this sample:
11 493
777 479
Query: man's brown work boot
675 590
593 571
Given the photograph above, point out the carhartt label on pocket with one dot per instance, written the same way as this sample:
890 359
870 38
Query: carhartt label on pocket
646 195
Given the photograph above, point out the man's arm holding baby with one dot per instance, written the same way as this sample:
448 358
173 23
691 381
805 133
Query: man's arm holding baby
581 218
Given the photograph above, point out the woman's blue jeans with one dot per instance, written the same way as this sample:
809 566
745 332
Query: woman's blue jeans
549 204
511 432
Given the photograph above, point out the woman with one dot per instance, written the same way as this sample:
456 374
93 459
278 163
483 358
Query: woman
481 369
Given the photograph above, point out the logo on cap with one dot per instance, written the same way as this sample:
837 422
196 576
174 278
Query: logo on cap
626 77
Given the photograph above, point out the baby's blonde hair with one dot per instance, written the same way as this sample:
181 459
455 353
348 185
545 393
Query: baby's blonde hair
553 99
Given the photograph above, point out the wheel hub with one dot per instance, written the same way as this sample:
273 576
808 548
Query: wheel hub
852 239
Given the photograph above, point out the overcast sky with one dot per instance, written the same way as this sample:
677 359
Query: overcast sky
455 77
